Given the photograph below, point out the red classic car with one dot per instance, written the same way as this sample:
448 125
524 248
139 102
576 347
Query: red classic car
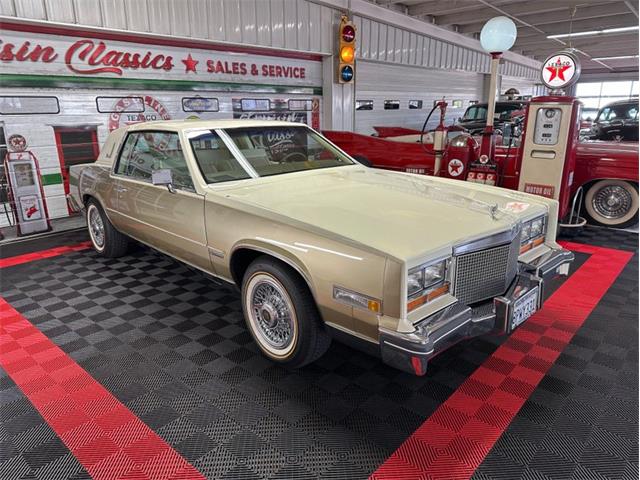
606 171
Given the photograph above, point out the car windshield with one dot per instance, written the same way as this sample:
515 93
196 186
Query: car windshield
266 150
479 112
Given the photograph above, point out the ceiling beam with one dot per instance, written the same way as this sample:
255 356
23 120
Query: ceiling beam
616 50
557 17
605 38
613 21
537 8
441 7
633 7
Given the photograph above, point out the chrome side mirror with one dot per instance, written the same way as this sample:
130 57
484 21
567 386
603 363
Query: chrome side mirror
163 176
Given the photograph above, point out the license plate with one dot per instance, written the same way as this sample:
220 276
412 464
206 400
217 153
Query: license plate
524 307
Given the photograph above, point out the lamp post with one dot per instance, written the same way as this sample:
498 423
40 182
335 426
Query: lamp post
497 36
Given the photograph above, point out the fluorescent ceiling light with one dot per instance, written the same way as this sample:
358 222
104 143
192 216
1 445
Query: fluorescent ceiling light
594 32
619 57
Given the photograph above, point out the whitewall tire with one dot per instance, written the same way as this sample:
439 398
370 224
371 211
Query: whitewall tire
281 314
106 240
612 203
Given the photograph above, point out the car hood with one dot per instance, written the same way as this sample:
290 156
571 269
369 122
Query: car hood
401 215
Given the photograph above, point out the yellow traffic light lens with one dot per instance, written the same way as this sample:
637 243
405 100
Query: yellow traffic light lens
347 54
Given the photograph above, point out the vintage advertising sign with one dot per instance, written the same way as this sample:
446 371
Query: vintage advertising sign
121 114
46 54
542 190
560 70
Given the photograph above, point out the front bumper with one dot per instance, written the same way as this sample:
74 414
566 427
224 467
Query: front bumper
412 351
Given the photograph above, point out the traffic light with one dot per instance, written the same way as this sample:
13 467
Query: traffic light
346 51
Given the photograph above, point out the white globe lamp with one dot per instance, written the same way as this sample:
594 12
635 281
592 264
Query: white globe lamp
497 36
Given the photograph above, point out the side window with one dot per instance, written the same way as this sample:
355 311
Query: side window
145 152
123 167
604 115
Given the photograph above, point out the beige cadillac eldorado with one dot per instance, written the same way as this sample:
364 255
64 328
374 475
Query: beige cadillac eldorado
322 247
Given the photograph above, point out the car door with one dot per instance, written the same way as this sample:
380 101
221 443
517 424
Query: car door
170 219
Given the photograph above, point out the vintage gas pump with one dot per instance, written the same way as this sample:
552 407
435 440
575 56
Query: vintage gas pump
440 138
27 199
552 125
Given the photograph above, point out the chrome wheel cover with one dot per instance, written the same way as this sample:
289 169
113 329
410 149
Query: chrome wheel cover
612 201
96 227
271 314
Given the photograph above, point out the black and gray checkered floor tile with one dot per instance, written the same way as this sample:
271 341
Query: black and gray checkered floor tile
172 347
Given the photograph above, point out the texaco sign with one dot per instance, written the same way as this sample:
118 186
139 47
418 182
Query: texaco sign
560 70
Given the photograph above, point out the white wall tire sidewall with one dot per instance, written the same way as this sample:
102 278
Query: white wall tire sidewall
613 222
276 354
93 207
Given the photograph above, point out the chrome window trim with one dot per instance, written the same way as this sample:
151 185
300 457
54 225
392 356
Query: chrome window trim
233 148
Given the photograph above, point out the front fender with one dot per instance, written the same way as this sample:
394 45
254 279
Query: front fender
280 251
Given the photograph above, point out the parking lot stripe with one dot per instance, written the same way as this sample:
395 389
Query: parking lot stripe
455 440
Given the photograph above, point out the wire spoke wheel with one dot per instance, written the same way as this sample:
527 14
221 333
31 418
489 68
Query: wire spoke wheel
271 314
96 227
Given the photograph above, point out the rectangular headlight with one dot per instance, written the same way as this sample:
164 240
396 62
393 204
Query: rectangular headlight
424 283
532 233
434 274
537 227
415 281
525 234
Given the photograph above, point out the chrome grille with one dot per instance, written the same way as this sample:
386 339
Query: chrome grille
486 273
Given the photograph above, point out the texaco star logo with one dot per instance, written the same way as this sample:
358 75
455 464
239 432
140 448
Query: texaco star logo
455 167
560 70
557 70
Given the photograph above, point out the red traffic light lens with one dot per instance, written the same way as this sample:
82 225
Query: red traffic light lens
348 33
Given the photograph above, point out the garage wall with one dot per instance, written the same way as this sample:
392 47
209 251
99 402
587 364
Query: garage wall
391 37
526 86
291 24
380 82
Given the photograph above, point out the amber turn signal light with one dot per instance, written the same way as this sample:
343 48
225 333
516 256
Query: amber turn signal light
435 293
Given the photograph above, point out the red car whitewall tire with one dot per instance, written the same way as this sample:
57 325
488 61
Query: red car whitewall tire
612 203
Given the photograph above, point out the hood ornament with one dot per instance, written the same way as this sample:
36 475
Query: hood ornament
493 210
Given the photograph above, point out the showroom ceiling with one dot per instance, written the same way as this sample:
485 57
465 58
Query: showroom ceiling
539 19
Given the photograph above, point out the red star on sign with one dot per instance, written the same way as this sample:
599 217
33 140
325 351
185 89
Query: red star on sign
190 64
558 70
455 167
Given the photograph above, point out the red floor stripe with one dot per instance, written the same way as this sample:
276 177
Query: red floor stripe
107 439
455 440
52 252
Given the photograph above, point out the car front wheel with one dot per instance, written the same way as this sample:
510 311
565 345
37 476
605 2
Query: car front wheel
281 314
612 203
106 240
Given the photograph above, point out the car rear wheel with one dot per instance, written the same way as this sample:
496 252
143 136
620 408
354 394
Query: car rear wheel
612 203
106 240
281 314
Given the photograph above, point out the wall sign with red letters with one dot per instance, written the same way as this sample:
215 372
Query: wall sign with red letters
542 190
45 54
